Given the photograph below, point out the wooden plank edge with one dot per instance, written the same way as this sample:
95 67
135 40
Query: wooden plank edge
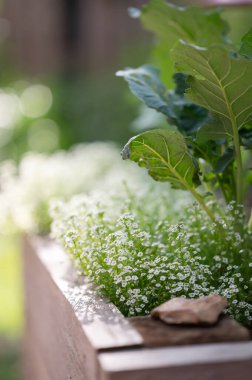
101 321
175 356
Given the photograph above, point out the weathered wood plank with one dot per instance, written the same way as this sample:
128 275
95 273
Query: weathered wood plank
33 366
208 362
157 334
219 371
103 323
52 327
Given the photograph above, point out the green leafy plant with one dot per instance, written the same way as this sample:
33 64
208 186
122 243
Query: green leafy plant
208 106
142 246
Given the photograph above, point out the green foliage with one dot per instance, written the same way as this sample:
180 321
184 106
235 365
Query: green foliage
170 24
210 132
144 82
164 153
11 310
239 17
192 24
225 160
211 104
10 364
218 82
246 45
146 85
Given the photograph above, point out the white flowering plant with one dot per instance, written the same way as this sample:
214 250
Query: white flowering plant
27 189
130 248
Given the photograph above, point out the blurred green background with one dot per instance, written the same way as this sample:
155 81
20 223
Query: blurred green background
58 88
11 308
10 287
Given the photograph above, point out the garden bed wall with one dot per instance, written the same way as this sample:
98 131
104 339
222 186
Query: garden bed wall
71 333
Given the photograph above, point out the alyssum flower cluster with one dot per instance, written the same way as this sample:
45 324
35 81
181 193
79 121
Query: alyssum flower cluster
27 189
136 256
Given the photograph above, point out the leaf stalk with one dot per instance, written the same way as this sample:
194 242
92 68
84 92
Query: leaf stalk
201 202
239 170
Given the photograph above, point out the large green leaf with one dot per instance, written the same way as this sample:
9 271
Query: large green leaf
145 83
219 82
165 154
210 131
170 24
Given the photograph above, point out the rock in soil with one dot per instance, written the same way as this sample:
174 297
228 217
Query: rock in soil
203 310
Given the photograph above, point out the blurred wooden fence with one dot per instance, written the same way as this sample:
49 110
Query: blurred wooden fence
51 35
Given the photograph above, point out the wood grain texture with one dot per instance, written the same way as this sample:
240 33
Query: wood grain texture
219 371
33 366
208 362
157 333
104 325
52 327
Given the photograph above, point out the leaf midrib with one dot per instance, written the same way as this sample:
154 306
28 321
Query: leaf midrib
228 103
234 127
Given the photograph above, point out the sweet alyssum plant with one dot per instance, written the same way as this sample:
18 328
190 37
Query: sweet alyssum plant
25 195
139 251
208 138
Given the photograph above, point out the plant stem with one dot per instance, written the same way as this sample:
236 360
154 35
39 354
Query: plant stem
218 177
182 180
196 195
239 189
201 202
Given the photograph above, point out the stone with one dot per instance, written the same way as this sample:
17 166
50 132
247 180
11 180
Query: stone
156 333
203 310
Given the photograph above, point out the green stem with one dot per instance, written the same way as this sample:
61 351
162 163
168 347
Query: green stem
217 176
196 195
239 187
201 202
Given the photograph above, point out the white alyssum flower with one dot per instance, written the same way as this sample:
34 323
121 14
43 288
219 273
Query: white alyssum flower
26 191
149 259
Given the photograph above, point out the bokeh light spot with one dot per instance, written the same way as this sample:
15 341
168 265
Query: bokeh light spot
9 109
43 136
36 101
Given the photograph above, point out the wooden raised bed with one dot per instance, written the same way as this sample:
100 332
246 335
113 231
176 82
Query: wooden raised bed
71 333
